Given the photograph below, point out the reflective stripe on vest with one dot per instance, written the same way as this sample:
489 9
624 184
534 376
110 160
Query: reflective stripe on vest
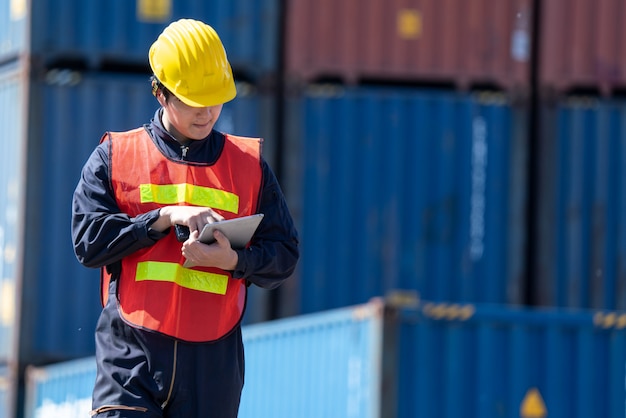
171 194
188 278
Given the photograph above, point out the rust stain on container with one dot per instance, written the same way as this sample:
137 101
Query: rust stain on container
461 43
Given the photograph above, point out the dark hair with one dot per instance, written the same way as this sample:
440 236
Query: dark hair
157 85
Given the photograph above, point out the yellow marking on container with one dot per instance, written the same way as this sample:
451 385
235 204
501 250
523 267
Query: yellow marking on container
532 405
467 312
154 11
449 312
409 24
609 320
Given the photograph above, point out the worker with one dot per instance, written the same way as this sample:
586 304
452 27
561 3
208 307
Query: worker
168 340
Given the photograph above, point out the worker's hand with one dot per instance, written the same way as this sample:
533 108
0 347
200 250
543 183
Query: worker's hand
194 217
219 254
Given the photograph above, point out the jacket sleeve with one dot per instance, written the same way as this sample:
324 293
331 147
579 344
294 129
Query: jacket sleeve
101 234
273 252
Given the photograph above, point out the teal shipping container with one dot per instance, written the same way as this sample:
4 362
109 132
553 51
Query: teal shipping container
118 33
405 358
60 390
581 216
318 365
406 188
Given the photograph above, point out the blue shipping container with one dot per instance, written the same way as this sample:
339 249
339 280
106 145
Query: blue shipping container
120 32
406 188
581 227
475 361
68 112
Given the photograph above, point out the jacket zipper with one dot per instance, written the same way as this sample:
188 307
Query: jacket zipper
183 150
107 408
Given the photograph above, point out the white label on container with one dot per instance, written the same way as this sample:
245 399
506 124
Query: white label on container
520 45
478 188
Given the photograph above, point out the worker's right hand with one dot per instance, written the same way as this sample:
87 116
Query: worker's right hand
194 217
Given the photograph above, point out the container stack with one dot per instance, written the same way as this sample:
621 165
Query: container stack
409 122
455 170
581 157
471 153
458 150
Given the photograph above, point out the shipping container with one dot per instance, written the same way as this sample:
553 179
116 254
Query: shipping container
13 84
13 90
474 361
453 42
581 46
406 188
50 297
405 358
581 217
118 33
320 365
60 390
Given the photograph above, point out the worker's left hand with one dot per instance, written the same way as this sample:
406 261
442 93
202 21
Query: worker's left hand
218 254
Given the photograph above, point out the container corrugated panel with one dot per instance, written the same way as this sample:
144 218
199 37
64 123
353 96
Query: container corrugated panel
319 365
442 41
60 390
7 391
595 56
581 251
480 361
13 81
120 32
69 112
411 189
13 29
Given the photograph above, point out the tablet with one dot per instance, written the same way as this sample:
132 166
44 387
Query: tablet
239 231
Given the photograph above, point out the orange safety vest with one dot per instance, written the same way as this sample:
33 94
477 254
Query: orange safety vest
155 291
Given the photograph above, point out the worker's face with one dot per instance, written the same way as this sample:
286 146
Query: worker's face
186 123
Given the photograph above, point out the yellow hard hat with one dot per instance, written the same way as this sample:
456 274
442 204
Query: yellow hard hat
189 59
